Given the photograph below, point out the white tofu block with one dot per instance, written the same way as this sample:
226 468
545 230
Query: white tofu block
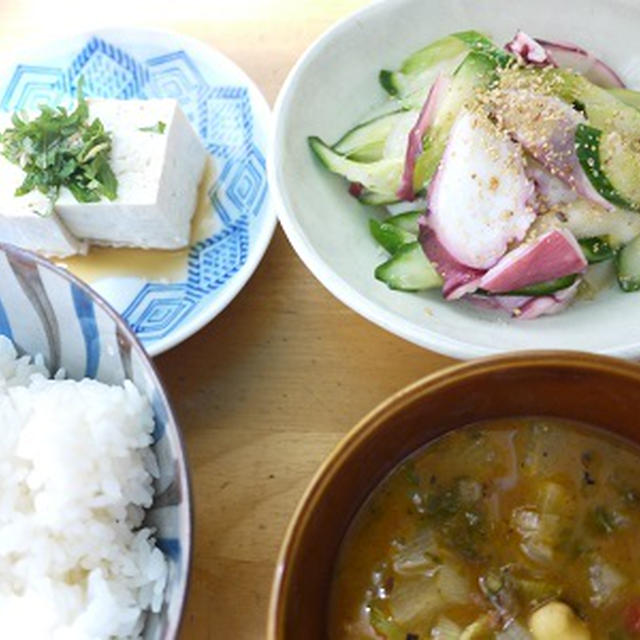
22 222
158 176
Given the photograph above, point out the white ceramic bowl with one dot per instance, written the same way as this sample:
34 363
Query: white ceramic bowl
335 83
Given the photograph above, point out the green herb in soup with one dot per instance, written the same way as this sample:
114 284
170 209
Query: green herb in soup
521 529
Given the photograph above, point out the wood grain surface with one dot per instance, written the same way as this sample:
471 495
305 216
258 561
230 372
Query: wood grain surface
266 390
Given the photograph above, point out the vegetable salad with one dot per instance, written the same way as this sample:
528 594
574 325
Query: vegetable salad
508 176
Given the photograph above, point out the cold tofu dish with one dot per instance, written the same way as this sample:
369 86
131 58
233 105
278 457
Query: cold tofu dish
121 173
515 529
507 173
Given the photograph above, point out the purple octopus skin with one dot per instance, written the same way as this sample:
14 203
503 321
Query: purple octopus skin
459 279
416 135
528 307
555 254
529 50
556 151
571 56
541 53
548 305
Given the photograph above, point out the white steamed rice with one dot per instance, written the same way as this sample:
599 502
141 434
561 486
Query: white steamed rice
75 476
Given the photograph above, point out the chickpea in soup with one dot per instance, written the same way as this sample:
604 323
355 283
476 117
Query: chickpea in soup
518 529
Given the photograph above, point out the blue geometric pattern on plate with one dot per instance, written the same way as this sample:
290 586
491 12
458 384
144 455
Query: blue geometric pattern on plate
32 85
158 308
108 72
223 116
175 75
241 187
225 121
212 260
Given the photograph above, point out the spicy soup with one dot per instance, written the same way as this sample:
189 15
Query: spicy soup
516 528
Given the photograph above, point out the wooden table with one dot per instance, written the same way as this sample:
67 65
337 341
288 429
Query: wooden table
269 387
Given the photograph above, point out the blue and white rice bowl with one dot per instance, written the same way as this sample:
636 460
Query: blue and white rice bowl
45 311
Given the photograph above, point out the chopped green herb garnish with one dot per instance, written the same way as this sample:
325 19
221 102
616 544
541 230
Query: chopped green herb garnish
158 127
409 472
61 149
458 514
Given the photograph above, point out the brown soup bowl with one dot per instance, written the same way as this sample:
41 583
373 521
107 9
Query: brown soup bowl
597 390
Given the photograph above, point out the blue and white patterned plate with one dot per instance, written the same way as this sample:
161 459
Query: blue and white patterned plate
233 120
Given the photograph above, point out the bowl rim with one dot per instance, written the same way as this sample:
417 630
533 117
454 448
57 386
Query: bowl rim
25 255
394 404
375 312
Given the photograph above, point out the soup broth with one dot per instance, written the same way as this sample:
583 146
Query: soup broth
518 528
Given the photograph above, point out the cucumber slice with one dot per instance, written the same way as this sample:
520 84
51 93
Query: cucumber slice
374 199
620 159
412 91
480 43
417 73
475 72
544 288
366 141
628 266
628 96
604 108
610 165
596 249
450 47
389 236
405 80
388 81
398 139
409 270
407 222
382 177
439 50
